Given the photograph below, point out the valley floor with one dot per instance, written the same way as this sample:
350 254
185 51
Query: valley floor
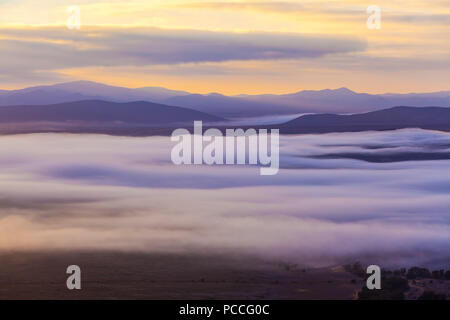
112 275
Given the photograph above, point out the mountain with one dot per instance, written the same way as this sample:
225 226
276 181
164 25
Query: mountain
139 113
419 99
146 119
343 100
229 107
432 118
340 100
83 90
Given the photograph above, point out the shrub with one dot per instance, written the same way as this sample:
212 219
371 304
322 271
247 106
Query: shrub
416 272
392 288
447 275
356 269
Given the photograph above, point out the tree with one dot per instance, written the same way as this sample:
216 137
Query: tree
447 275
393 288
416 272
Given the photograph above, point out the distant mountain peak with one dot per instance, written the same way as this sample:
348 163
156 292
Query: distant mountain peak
215 94
80 82
344 90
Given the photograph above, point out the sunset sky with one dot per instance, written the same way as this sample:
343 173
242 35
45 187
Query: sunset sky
230 47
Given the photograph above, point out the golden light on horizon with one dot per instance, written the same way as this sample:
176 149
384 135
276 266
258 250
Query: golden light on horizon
409 53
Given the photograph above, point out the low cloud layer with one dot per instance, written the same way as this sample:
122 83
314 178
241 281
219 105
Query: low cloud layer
101 192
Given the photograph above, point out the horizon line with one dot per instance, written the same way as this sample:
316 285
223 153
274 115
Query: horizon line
216 92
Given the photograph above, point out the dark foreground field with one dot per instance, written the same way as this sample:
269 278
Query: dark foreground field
158 276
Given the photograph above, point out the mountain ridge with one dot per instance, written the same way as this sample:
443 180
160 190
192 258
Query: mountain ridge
340 100
142 118
137 112
400 117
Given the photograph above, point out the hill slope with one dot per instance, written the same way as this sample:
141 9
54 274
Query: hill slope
434 118
83 90
138 112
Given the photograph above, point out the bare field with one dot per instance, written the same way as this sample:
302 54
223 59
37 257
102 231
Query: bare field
113 275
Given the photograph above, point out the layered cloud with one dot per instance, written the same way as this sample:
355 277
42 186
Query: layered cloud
99 192
48 49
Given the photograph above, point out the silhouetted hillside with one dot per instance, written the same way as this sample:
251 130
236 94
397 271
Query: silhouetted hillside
138 112
434 118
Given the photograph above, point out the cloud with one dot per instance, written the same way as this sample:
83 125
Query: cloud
101 192
284 7
45 49
273 6
348 11
414 18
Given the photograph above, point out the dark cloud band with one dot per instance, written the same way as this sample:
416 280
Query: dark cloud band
28 50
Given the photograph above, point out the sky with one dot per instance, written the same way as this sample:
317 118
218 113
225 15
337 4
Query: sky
230 47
